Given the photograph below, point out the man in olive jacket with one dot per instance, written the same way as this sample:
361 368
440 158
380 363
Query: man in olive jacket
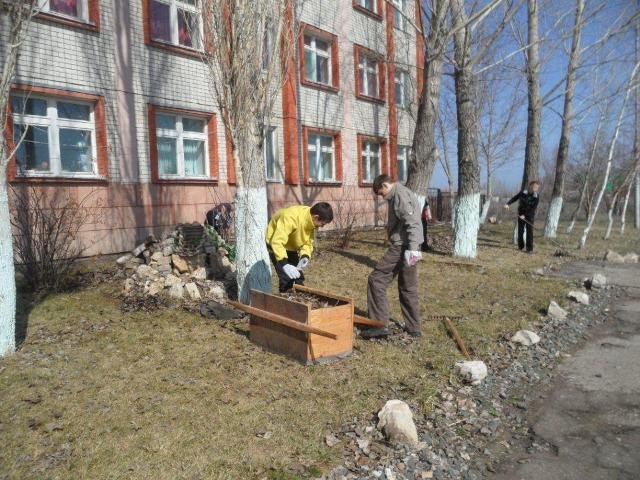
404 229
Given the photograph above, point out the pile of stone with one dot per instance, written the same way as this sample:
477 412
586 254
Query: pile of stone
614 257
187 265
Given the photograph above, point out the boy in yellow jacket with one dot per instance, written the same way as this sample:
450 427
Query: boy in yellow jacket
289 238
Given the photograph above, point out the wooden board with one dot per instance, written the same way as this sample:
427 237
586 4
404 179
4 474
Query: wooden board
338 320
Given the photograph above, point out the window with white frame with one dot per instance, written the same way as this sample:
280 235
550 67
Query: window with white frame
368 4
271 154
321 157
317 59
182 146
371 160
54 137
176 22
403 162
398 15
403 88
74 9
368 75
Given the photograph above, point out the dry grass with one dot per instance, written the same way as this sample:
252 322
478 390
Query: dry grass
94 393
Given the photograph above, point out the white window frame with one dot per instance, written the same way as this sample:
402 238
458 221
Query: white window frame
173 21
368 65
404 151
314 154
83 10
399 22
271 134
402 78
180 135
54 124
369 154
322 53
362 3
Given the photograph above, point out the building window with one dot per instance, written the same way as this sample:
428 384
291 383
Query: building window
369 74
73 9
176 22
371 157
319 61
403 162
373 8
182 148
271 154
403 89
321 157
54 136
399 22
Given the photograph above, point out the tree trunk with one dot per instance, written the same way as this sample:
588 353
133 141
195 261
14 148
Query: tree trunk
424 150
585 185
534 111
487 202
7 272
468 201
555 208
623 215
612 146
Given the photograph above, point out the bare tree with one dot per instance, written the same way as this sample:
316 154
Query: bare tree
630 87
555 207
245 77
18 14
446 166
624 185
623 214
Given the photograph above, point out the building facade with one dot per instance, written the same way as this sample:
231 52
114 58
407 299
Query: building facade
111 103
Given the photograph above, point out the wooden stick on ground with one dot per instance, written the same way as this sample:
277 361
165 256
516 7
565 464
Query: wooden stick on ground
358 320
281 320
456 336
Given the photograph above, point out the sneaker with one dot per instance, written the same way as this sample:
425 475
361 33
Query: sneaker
375 333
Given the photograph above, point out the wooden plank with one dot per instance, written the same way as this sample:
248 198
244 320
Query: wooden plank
458 339
320 293
264 314
338 320
358 320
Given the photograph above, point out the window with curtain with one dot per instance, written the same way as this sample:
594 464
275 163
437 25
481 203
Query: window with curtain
403 162
368 76
317 59
75 9
182 147
398 15
321 157
54 137
177 22
403 88
371 160
369 5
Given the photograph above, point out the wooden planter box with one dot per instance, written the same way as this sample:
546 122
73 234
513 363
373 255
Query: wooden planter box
305 347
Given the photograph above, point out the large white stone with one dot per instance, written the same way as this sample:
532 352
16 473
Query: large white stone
631 258
200 274
598 280
613 257
124 259
176 291
145 271
156 287
396 421
192 291
156 256
473 371
579 297
525 337
171 280
556 312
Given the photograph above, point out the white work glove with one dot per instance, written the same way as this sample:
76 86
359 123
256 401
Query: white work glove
291 271
411 257
303 263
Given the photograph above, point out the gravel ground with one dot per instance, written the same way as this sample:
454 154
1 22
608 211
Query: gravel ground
471 429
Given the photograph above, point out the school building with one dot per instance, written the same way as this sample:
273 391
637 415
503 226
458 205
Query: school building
112 99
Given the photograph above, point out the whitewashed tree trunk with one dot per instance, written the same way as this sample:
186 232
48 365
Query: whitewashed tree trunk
487 202
467 222
607 233
7 273
555 208
623 215
612 146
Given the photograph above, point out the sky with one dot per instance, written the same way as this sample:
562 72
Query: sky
507 79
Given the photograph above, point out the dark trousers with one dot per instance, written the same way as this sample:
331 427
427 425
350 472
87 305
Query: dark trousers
525 226
390 266
284 282
425 245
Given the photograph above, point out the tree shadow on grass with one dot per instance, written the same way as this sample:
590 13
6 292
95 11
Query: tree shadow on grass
361 259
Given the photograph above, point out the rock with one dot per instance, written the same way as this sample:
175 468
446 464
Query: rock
556 312
216 291
192 291
156 256
598 281
176 291
124 259
167 251
539 271
145 271
162 260
331 440
613 257
493 220
525 337
579 297
213 309
138 250
631 258
155 288
129 284
200 274
164 269
474 371
171 280
179 263
396 421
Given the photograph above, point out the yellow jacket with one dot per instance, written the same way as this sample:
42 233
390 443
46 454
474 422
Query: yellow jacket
291 229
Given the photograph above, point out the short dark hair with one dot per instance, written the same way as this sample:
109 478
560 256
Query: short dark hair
534 182
324 211
379 180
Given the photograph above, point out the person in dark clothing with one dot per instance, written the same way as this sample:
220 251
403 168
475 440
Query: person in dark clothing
527 205
426 217
220 218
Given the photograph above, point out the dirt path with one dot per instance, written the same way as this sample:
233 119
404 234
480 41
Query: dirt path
591 413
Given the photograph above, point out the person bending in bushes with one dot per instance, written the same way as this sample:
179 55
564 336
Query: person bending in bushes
290 235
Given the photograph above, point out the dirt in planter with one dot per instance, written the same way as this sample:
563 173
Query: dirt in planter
313 301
